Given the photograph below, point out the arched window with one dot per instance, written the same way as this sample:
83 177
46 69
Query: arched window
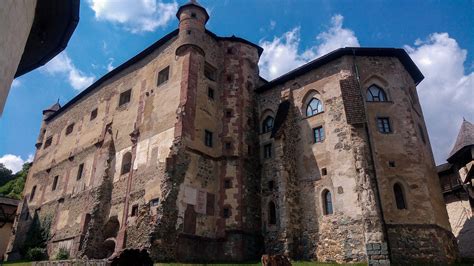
327 202
267 124
126 163
271 213
376 94
399 196
315 106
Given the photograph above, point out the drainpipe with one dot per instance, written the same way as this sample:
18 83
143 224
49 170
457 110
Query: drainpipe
371 152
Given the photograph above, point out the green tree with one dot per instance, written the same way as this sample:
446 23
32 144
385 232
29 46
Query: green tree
5 174
14 187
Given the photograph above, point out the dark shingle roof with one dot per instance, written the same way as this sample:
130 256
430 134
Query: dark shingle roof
465 139
401 54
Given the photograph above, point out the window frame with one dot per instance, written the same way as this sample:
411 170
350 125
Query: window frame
125 97
327 202
267 151
319 107
80 172
265 127
125 168
32 193
399 196
208 138
384 125
381 92
48 142
55 183
163 76
94 114
210 93
69 129
210 72
321 134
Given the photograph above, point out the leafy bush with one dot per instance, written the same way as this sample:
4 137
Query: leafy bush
63 254
11 186
36 254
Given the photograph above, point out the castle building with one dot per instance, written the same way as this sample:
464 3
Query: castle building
457 179
185 151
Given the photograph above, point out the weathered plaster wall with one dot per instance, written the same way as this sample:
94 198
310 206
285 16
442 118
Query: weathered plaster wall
16 18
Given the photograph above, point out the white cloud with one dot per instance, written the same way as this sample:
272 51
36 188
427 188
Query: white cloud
14 162
110 67
447 91
135 15
16 83
282 55
63 65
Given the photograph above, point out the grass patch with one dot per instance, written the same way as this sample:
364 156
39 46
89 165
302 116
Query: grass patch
17 263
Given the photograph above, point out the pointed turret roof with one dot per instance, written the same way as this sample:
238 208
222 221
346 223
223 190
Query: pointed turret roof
52 108
465 139
192 3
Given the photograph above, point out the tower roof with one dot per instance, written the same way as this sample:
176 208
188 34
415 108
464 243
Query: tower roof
192 3
465 139
52 108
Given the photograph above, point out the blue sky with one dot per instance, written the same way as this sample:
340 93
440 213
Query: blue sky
438 35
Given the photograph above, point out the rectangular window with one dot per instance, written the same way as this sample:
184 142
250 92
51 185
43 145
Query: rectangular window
267 151
55 183
318 134
226 212
93 114
210 93
383 124
134 210
33 191
227 183
79 171
69 129
208 138
48 142
163 75
210 72
125 97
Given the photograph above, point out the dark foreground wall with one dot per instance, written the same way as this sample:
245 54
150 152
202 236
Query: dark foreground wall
421 244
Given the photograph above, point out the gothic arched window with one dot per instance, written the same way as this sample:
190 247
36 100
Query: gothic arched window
399 196
126 163
327 202
271 213
376 94
315 106
267 124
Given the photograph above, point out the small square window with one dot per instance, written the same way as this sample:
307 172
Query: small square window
163 75
226 212
208 138
154 202
125 97
210 72
93 114
228 145
80 171
267 151
134 210
383 124
210 93
228 113
324 171
227 183
69 129
318 134
193 15
230 50
391 163
55 183
48 142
